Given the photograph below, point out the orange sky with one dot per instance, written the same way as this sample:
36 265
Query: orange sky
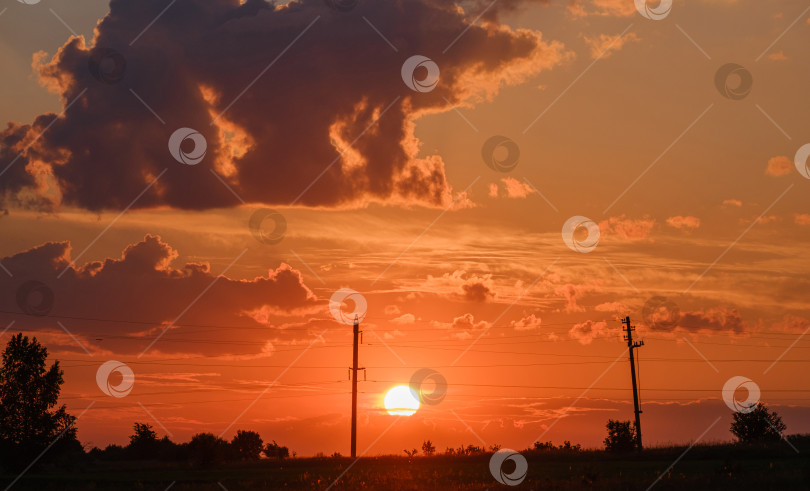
464 269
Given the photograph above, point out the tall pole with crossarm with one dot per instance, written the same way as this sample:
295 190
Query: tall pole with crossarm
354 386
631 346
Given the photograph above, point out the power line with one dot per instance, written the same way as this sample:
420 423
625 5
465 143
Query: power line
667 389
493 365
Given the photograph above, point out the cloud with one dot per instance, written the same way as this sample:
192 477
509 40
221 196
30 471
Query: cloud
687 223
464 286
764 219
715 319
779 166
627 228
512 189
586 332
801 219
732 202
404 319
606 44
527 323
477 292
515 188
611 307
329 120
791 324
141 293
462 325
777 56
572 293
612 8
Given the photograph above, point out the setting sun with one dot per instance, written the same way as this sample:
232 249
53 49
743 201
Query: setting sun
401 401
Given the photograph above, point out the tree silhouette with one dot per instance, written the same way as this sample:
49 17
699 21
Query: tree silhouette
248 445
757 425
206 449
143 443
28 394
428 448
621 436
276 451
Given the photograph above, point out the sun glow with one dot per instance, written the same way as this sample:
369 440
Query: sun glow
401 401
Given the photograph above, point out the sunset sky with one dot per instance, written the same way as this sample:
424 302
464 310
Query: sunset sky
416 199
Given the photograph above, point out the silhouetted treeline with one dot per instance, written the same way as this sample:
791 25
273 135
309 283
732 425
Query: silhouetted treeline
204 449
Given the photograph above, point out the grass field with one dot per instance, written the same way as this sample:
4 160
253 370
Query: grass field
703 467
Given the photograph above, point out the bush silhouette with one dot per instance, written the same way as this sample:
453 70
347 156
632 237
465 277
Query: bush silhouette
621 436
276 451
757 425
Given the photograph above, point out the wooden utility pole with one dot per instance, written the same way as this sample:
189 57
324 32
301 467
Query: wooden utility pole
633 346
354 386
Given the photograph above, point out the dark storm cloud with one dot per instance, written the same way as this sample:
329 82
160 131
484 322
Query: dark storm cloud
311 104
135 296
477 292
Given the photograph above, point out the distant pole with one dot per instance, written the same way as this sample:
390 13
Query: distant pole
633 346
354 387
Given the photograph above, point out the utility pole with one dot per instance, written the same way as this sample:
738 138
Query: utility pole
633 346
354 386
